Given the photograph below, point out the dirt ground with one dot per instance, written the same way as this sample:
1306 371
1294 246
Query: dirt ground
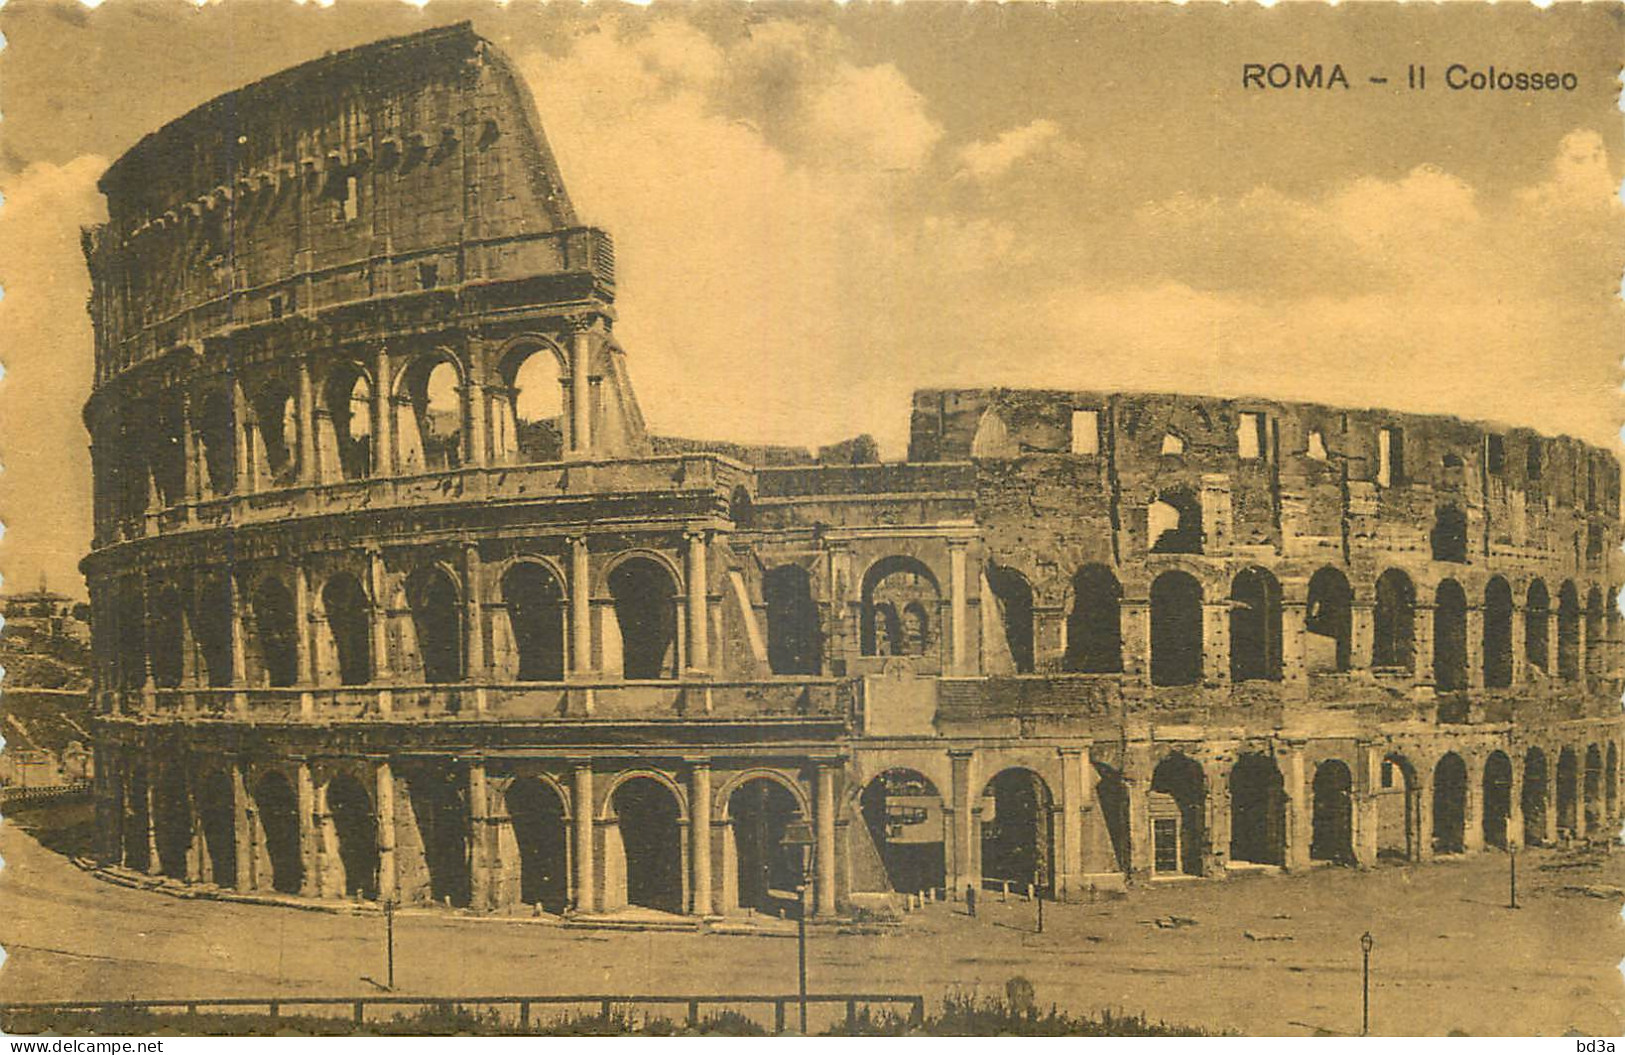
1449 956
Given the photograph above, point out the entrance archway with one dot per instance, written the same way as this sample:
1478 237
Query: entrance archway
793 635
356 830
1018 831
173 823
1533 798
1593 789
1449 805
437 624
440 805
1497 799
137 851
349 622
1178 816
1610 782
1450 636
1333 836
646 615
1255 626
903 812
279 821
541 835
1257 811
1398 811
1568 792
651 843
1013 600
535 602
1176 629
1094 626
216 813
767 872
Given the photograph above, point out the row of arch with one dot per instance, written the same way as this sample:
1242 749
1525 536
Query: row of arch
1094 631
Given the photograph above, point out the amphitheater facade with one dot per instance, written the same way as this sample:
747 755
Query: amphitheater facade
396 598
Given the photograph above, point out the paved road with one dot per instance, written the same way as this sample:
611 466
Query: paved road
1449 956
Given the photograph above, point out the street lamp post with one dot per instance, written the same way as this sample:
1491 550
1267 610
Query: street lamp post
798 835
1512 875
1366 942
389 942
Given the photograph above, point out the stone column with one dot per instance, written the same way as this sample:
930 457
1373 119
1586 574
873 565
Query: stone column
473 623
959 608
1216 817
1216 641
824 840
699 837
1076 791
1472 814
1422 657
1136 617
310 865
242 830
239 646
1137 782
384 784
193 475
1294 670
244 476
585 855
329 864
378 589
1475 645
1362 631
1520 642
479 822
581 389
1424 809
1299 819
304 631
1515 836
198 863
962 870
383 424
580 608
476 409
154 864
1367 818
309 470
699 648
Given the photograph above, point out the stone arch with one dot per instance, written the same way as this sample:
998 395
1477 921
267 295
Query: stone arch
163 447
644 592
1497 633
1018 831
1329 622
1258 804
344 431
275 625
1448 538
530 416
903 812
1094 626
434 600
172 821
1255 626
217 817
533 596
1174 522
355 826
429 413
1399 809
1394 622
217 432
1332 819
644 858
166 636
278 809
762 870
1176 629
606 811
719 805
1178 805
439 800
1497 800
1450 804
1537 627
1013 599
539 818
794 639
1568 792
212 621
136 853
1533 800
742 508
1568 632
1593 805
891 586
130 615
274 433
349 624
1450 636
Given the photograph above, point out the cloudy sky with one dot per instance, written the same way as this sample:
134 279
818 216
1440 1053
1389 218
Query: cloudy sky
819 209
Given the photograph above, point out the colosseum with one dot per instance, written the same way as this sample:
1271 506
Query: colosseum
397 599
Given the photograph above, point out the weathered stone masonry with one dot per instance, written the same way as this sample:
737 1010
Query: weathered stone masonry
395 597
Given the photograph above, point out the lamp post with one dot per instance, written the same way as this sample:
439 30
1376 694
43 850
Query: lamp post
389 942
1512 875
1366 942
798 835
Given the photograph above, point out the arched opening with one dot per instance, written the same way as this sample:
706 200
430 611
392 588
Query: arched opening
1593 789
279 820
1111 792
1333 822
903 813
1018 829
1174 522
1013 596
646 614
1537 622
165 451
1178 805
172 827
439 800
429 434
541 835
1610 781
1449 535
793 638
741 509
437 623
1393 644
651 842
535 603
1329 620
166 637
767 871
1094 627
349 623
1608 663
1568 633
131 619
1596 650
1497 798
1257 811
900 596
274 634
1568 792
212 626
1176 629
217 429
216 810
1450 805
1398 811
1497 634
356 828
136 851
1534 796
1255 626
275 434
348 429
1450 637
528 424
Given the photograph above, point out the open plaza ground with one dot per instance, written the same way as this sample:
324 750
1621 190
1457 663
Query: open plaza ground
1257 954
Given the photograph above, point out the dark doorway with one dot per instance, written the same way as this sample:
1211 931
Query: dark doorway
1257 811
217 815
1533 798
1449 535
1593 789
1537 624
1568 792
1497 799
1497 634
1330 618
1398 810
536 619
1449 805
542 836
437 620
1568 633
1393 644
793 645
1255 626
904 815
1015 606
646 612
1450 637
651 838
1094 627
173 822
1179 779
1333 837
275 632
440 803
213 630
356 828
1176 629
137 820
769 872
1018 837
279 819
350 621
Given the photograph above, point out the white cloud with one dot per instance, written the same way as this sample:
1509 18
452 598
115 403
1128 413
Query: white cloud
988 159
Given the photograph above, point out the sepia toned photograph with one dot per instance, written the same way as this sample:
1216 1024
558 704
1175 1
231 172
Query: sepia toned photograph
796 519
